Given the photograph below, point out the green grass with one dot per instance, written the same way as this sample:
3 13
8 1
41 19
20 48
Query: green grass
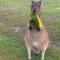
17 13
54 30
13 48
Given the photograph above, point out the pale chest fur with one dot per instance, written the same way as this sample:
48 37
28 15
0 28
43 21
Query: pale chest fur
38 39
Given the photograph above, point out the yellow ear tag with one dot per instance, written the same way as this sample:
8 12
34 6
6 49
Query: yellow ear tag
39 20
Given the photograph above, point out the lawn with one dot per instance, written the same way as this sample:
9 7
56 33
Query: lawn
14 16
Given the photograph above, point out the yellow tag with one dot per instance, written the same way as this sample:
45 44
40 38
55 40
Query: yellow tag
39 20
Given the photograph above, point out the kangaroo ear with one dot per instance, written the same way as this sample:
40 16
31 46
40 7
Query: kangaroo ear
32 1
39 2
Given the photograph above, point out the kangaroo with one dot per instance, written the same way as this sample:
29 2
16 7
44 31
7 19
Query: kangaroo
36 40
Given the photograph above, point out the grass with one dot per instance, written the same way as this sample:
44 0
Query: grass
13 48
54 30
16 13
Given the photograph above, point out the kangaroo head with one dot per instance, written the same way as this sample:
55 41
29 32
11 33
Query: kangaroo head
35 6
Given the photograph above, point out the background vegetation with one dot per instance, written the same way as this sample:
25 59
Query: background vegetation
14 16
